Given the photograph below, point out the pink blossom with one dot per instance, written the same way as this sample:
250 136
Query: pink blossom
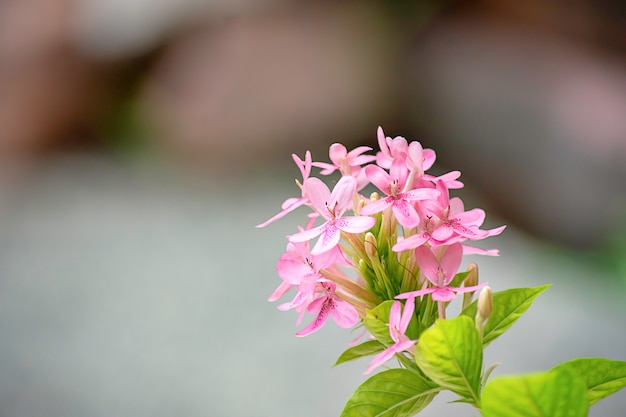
398 324
332 207
348 163
342 312
291 204
393 185
390 149
440 272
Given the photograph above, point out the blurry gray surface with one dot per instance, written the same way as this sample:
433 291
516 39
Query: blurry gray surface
137 291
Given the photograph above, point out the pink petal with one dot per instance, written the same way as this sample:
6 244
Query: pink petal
381 358
405 213
399 171
306 235
473 288
319 194
379 177
299 299
282 289
451 261
429 159
327 169
474 217
471 250
329 239
411 242
337 153
395 315
495 231
358 151
420 194
355 224
428 263
342 193
416 157
318 322
407 314
288 206
415 294
444 294
292 270
376 206
362 159
344 314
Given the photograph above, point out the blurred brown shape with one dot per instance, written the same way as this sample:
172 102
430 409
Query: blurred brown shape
45 85
249 85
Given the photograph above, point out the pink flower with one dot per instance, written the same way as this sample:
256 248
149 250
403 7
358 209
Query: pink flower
393 185
440 273
332 207
348 163
445 222
454 220
298 267
291 204
390 149
397 328
344 314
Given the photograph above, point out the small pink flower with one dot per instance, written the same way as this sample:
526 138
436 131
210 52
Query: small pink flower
342 312
440 273
291 204
348 163
400 200
398 324
332 207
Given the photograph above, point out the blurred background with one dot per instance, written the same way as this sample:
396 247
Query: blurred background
140 142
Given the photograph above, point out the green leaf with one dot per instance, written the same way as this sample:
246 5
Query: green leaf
376 322
391 393
364 349
602 377
450 353
508 306
558 393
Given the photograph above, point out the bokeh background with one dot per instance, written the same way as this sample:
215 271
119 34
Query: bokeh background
141 141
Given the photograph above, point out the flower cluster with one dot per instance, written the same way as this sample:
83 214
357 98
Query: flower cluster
404 243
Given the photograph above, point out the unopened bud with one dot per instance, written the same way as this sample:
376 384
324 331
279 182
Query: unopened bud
374 196
470 281
371 246
485 305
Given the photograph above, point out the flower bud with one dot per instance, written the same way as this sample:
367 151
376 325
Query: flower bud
374 196
485 303
470 281
371 246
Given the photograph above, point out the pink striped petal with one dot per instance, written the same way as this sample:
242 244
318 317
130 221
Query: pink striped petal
329 239
379 177
405 213
376 206
411 242
355 224
306 235
342 194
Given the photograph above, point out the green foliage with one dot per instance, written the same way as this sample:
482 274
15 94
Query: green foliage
376 322
602 377
557 393
391 393
368 348
450 353
508 306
